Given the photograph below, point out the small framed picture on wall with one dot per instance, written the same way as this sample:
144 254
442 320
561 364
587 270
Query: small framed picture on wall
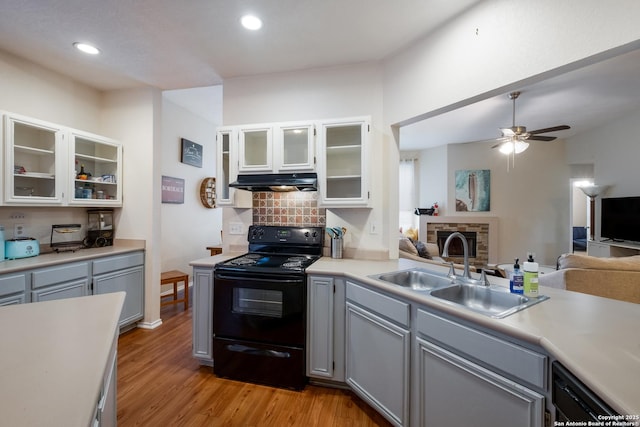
191 153
172 190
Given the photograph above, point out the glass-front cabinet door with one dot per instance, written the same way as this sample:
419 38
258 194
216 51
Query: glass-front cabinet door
227 170
33 161
95 170
343 163
255 149
223 176
294 145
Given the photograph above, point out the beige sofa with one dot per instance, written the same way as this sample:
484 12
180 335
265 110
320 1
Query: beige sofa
617 278
408 250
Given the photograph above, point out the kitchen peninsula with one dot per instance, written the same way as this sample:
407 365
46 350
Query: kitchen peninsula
595 338
58 362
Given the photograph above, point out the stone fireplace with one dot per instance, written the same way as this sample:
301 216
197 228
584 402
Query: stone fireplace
456 247
481 233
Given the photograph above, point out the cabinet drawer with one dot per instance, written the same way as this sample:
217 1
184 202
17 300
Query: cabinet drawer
388 307
510 358
62 273
12 284
114 263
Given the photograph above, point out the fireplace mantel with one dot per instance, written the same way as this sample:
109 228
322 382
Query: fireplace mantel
492 221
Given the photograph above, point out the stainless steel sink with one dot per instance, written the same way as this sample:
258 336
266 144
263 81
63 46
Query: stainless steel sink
416 279
491 301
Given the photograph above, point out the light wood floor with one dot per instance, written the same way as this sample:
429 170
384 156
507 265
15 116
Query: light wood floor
160 384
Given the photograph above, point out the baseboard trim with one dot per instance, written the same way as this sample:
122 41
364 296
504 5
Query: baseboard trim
149 325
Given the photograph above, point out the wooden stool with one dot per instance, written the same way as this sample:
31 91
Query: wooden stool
214 250
174 277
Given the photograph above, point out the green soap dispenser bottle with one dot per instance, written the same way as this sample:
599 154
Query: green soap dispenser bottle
530 277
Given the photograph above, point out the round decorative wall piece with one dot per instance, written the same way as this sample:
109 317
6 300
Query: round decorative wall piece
208 192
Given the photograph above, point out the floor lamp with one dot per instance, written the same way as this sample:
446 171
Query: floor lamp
592 191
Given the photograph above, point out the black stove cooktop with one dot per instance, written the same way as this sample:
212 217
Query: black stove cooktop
268 262
278 249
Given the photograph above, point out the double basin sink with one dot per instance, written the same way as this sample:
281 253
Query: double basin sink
492 301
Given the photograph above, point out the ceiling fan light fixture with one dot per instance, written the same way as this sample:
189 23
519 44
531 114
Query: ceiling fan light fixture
511 146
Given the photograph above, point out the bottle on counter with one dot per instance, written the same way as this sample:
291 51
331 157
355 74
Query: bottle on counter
516 284
530 277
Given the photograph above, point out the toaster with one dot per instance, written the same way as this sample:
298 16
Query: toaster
21 247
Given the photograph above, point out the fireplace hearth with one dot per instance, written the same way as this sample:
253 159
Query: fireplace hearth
484 228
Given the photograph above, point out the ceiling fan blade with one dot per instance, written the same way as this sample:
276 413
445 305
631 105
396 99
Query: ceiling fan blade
552 129
541 138
499 141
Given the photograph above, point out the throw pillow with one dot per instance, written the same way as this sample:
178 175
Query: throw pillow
407 246
422 249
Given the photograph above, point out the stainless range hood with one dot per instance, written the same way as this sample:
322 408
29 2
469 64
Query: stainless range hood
277 182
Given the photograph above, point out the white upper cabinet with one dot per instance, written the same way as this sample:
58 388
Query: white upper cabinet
100 159
276 147
42 163
294 148
33 161
255 148
343 165
227 170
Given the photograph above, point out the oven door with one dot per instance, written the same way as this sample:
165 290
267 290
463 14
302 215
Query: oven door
260 307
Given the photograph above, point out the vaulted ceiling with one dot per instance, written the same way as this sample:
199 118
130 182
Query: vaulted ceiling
199 43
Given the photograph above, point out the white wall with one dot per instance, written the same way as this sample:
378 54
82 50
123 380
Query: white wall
322 94
187 229
134 118
531 200
433 178
614 150
36 92
499 43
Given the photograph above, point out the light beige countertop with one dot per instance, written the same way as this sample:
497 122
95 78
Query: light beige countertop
53 359
48 259
595 338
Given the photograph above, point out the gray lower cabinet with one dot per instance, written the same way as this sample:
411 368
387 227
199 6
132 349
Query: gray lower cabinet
378 351
203 315
13 289
106 410
59 282
465 375
122 273
325 328
457 392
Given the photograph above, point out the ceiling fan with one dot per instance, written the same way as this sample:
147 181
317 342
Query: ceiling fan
515 139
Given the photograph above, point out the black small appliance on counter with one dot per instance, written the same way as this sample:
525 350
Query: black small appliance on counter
259 315
100 228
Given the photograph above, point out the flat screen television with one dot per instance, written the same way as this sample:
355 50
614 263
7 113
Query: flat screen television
620 218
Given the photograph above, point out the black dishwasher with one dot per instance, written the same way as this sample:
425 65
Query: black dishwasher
573 400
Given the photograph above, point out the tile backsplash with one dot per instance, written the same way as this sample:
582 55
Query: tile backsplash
296 208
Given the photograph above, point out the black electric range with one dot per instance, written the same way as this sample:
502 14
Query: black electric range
260 304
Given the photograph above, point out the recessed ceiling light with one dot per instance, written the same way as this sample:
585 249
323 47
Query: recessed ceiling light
86 48
251 22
